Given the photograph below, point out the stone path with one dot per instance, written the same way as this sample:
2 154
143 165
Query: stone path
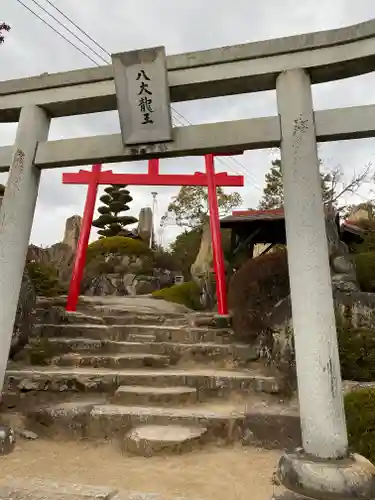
113 372
235 473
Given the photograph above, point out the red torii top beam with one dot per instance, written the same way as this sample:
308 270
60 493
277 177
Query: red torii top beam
96 177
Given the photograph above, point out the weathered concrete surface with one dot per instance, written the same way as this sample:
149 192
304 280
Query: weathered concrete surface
48 490
115 361
206 353
136 304
209 381
259 424
328 55
150 440
348 478
154 396
315 339
16 219
161 333
114 421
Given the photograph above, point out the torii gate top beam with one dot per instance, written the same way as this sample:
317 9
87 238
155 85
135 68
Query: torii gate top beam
251 67
327 55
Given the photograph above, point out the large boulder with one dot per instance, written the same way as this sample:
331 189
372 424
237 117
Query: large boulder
203 262
72 230
23 324
145 225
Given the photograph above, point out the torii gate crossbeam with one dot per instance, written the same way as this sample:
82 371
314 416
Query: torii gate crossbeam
97 177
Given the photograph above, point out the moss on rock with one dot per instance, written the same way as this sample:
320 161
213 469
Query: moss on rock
365 268
357 353
187 294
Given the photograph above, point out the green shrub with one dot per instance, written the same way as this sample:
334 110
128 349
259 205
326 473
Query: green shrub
368 243
45 279
365 268
187 294
254 290
360 420
357 353
118 245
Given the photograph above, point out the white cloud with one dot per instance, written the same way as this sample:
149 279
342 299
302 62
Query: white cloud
32 48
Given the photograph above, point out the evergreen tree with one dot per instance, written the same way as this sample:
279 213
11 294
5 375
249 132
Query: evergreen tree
3 27
190 206
115 201
273 193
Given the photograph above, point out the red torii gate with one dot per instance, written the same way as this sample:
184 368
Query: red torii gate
96 176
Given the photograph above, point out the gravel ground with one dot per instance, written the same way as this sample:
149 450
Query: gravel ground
235 473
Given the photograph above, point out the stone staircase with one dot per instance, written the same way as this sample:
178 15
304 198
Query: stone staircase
150 382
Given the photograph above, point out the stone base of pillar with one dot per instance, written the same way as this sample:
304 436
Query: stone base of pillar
312 477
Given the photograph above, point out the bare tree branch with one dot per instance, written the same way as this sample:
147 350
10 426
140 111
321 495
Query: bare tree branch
353 186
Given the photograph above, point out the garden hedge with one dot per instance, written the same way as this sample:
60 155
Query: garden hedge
187 294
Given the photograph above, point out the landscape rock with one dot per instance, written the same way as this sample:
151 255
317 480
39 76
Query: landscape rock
145 224
28 434
149 440
72 230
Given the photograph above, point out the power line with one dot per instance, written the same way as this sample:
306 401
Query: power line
56 31
69 31
78 28
221 160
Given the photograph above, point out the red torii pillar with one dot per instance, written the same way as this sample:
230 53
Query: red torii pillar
96 176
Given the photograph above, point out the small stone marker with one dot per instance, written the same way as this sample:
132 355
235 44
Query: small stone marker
142 91
7 439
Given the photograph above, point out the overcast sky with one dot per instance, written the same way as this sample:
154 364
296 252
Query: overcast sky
32 48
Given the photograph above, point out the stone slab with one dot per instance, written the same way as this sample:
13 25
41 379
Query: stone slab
130 360
72 420
40 489
48 490
204 351
162 333
272 426
211 382
143 395
149 440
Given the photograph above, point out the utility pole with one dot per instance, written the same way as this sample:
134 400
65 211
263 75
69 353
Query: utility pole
154 206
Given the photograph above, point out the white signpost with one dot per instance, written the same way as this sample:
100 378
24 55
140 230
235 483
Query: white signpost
143 100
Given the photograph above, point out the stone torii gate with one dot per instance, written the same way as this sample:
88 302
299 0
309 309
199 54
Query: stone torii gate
291 65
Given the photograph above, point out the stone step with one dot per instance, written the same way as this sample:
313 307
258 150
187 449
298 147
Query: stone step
143 319
162 333
150 440
210 382
139 395
58 315
202 352
115 361
271 426
141 338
